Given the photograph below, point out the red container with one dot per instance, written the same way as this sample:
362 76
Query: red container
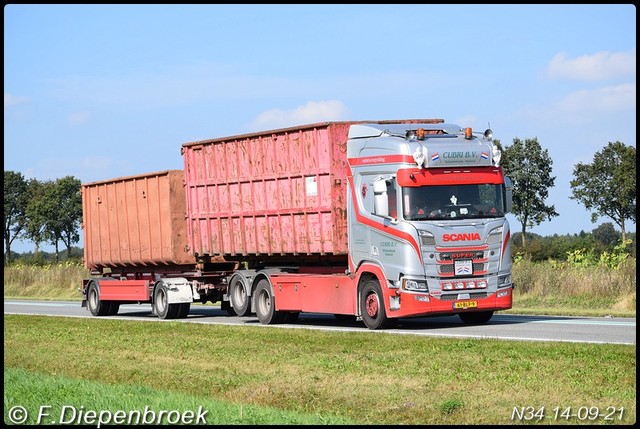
278 192
136 221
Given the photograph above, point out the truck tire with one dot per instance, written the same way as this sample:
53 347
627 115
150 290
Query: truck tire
239 297
163 309
226 307
266 305
183 310
96 306
114 307
372 306
476 318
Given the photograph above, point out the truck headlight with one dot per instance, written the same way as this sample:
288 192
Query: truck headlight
504 281
414 285
426 238
495 236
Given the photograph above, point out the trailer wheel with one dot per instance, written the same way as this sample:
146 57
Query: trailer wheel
266 306
476 318
372 306
96 306
164 310
239 297
183 310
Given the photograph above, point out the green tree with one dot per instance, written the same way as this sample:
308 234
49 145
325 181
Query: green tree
605 236
70 197
15 201
607 186
63 211
529 167
35 229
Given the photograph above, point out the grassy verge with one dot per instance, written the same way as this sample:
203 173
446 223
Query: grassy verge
63 400
334 377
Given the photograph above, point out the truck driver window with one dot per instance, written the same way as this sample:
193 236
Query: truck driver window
453 201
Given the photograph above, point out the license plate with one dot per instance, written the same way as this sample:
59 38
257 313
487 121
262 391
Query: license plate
465 304
463 267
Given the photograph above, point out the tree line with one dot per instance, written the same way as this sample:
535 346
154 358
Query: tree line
606 186
42 212
51 211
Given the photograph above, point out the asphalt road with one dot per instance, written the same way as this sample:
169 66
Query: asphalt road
601 330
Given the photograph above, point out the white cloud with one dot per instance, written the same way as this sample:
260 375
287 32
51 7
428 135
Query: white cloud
609 98
79 118
12 100
599 66
313 111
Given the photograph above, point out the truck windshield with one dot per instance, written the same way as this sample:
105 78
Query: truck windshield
452 201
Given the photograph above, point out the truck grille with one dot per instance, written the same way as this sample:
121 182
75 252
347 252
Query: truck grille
454 296
450 256
447 269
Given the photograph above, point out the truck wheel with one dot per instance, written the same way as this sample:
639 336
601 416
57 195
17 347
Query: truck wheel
164 310
114 307
372 306
476 318
266 306
96 306
226 306
183 310
239 298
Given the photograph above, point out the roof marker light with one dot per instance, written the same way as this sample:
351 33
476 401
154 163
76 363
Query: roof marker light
468 133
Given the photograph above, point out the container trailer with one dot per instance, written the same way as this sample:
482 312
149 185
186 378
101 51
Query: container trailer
366 220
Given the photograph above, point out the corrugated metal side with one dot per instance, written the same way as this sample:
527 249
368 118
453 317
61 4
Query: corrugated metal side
135 221
275 193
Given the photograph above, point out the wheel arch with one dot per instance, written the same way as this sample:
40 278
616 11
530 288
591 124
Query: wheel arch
370 271
85 286
246 279
179 290
260 275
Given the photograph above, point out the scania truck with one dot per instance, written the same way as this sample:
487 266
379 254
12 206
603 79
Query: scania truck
368 220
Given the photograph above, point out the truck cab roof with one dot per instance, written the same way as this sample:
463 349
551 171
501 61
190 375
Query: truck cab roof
369 130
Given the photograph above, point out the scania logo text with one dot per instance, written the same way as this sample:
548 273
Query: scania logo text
461 237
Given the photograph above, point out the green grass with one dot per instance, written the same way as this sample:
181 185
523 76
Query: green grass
303 376
64 400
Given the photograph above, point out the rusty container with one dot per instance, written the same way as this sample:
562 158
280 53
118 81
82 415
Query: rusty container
136 221
278 192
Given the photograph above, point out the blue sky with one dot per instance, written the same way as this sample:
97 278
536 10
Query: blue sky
103 91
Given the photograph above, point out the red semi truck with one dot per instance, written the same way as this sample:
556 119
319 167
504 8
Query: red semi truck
367 220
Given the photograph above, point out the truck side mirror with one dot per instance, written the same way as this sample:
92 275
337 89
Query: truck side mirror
380 198
508 195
